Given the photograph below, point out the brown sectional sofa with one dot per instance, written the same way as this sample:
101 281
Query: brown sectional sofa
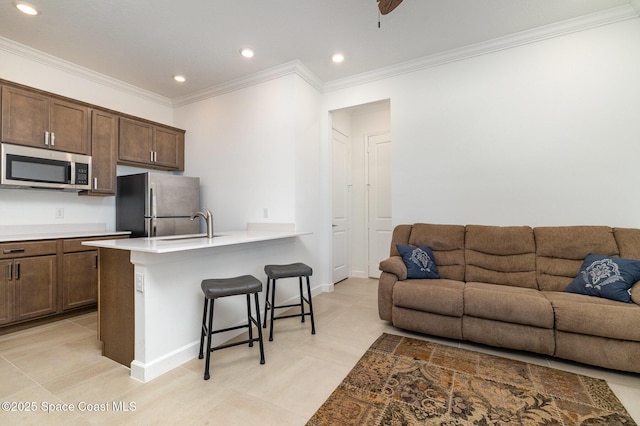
504 286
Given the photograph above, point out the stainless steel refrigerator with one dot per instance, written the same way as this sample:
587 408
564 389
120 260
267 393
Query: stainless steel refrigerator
157 204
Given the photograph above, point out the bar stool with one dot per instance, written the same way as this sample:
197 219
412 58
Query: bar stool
293 270
216 288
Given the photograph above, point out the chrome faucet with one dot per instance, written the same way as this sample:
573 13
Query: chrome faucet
208 218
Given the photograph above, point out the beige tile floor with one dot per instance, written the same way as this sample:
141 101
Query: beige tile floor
60 363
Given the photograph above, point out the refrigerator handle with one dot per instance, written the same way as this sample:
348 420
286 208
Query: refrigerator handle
152 203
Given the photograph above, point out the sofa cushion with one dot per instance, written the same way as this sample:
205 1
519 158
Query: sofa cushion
419 261
560 251
443 296
606 276
628 240
447 245
400 235
508 335
601 351
516 305
581 314
427 322
502 255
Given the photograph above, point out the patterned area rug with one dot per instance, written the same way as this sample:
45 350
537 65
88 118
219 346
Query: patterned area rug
404 381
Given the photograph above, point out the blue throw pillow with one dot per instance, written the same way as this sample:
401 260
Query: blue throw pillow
606 276
419 261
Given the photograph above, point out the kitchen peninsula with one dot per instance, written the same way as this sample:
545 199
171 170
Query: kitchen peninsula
150 301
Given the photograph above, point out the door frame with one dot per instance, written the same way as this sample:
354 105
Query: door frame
367 173
347 206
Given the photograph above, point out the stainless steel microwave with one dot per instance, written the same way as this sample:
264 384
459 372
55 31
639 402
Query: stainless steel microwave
27 167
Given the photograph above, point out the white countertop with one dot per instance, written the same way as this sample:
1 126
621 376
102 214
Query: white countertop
178 243
56 234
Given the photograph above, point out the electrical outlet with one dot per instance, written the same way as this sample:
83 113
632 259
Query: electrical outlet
140 283
59 213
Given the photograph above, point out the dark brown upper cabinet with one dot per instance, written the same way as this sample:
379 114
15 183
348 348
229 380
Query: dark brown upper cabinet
36 119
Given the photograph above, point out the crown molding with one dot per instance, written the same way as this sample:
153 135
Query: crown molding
586 22
292 67
31 54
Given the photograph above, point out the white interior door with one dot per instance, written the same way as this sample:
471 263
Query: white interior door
341 212
379 199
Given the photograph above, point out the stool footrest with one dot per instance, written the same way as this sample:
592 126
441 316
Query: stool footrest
230 345
292 305
293 315
230 328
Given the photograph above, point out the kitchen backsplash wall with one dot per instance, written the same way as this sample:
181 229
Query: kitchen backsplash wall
41 207
31 207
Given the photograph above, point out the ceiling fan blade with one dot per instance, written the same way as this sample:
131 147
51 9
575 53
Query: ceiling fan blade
387 6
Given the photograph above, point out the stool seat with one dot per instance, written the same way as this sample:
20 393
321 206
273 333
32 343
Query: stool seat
222 287
288 271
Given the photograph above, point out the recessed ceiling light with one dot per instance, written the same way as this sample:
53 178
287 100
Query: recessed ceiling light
247 52
337 57
180 78
26 8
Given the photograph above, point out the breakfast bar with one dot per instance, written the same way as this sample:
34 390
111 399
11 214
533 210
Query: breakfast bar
150 301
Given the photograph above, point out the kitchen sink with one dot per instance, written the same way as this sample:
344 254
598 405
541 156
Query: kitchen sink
184 237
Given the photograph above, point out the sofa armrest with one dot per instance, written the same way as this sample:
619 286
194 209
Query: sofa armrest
635 293
385 295
394 265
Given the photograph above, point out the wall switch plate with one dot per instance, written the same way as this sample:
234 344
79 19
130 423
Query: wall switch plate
59 213
140 283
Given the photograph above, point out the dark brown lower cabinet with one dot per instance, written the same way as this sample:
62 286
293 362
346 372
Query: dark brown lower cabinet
46 279
79 279
35 287
7 290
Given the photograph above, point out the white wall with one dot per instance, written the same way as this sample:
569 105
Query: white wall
542 134
241 144
258 148
31 68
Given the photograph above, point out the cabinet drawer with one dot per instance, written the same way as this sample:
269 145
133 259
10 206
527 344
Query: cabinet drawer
75 244
27 248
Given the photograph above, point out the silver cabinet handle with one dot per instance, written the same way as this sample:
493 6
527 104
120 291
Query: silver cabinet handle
46 138
53 139
151 159
10 275
95 183
16 250
155 156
